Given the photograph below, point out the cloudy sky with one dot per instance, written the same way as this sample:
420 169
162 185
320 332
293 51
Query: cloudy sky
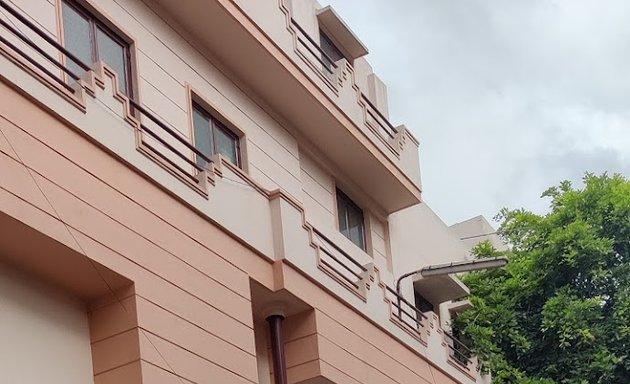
506 97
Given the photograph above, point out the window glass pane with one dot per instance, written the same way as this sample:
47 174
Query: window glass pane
355 226
342 214
226 144
76 35
203 136
350 220
113 54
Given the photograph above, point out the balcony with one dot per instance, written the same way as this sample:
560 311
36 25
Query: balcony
317 98
459 355
349 274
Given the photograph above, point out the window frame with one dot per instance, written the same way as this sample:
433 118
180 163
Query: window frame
216 124
342 197
96 23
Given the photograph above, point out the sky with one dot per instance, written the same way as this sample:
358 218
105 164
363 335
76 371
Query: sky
507 98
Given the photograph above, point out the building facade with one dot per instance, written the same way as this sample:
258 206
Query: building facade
211 191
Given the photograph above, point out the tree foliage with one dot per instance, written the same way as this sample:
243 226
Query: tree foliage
560 311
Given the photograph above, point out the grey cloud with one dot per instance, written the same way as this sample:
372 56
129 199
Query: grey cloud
506 97
550 168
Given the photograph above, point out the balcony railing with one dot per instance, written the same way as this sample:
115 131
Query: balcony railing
49 63
197 167
376 120
351 274
176 150
339 263
458 351
314 53
405 312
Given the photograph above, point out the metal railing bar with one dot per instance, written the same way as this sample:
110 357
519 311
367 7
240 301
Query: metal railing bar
371 113
325 238
414 319
464 348
458 342
36 64
340 274
171 162
324 64
461 362
402 299
458 352
38 49
379 113
347 268
169 130
461 352
171 148
315 44
43 35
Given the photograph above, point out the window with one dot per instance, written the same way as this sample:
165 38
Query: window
212 137
90 41
330 49
351 222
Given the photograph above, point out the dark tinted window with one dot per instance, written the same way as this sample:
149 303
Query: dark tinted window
329 47
211 137
351 222
331 51
423 304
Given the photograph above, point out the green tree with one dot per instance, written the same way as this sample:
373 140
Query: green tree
560 311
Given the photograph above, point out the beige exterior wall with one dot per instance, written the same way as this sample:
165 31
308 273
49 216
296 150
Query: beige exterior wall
476 230
419 233
424 239
44 332
190 250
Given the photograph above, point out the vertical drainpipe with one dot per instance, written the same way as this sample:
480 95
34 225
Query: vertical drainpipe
277 348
